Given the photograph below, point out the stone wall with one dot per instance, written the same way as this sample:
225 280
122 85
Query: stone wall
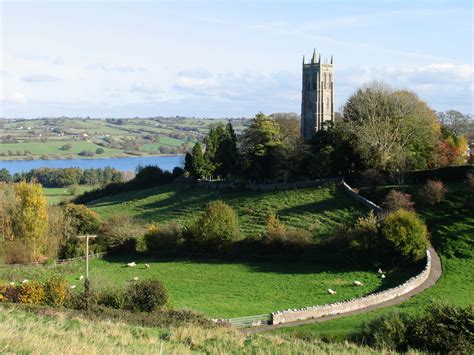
361 199
223 185
292 315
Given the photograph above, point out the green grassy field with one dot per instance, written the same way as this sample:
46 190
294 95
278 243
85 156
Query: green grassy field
451 224
318 210
55 195
225 289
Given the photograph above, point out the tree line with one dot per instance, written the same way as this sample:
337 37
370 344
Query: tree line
380 128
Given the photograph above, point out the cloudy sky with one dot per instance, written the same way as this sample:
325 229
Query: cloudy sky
224 58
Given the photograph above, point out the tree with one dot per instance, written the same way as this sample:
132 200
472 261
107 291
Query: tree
457 122
227 155
259 144
390 129
30 217
5 175
198 163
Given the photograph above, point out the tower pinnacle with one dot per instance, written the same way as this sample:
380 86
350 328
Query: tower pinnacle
313 59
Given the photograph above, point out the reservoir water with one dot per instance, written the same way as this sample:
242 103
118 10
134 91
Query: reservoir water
125 164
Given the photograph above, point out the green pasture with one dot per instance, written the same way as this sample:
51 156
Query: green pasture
55 195
318 210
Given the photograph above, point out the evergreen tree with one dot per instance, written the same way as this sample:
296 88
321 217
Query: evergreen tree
198 163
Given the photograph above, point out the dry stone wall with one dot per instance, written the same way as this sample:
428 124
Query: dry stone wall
292 315
361 199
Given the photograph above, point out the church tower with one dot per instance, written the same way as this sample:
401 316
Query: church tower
317 103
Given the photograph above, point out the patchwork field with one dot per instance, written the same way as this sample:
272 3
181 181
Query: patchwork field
318 210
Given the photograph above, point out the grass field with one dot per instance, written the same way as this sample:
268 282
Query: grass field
55 195
62 332
319 210
451 224
225 289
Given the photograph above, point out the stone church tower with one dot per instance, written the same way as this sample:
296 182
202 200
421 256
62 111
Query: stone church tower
317 103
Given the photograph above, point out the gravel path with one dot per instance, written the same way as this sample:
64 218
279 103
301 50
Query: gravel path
435 274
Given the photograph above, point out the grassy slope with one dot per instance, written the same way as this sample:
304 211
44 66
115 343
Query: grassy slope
55 195
452 232
319 210
22 331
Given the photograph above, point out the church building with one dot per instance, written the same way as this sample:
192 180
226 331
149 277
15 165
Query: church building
317 103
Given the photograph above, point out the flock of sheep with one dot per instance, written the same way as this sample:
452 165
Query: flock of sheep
358 283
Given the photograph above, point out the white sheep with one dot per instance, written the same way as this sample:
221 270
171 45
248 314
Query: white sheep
73 287
132 264
331 292
380 271
12 284
357 283
25 281
135 278
147 266
382 276
81 277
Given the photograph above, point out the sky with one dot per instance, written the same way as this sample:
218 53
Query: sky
224 58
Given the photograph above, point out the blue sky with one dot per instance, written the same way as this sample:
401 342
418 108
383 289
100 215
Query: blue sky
224 58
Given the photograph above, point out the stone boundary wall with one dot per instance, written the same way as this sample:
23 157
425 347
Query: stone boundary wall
292 315
361 199
223 185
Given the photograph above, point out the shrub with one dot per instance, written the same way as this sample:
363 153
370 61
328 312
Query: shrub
218 226
120 233
387 331
99 151
396 200
433 192
8 293
56 291
114 298
440 329
86 153
31 292
147 296
365 232
83 219
406 234
274 227
167 237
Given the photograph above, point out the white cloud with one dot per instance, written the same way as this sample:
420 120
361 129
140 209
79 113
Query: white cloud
15 98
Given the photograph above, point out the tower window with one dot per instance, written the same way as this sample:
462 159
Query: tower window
325 80
327 103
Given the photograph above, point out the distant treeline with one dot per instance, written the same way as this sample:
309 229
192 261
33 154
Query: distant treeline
62 177
147 176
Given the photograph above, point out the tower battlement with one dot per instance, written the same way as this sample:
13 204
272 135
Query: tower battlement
317 102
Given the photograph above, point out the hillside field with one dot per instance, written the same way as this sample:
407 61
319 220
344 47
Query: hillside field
318 210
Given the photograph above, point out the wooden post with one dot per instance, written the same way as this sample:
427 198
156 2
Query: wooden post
86 237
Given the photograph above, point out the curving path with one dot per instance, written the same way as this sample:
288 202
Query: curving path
434 275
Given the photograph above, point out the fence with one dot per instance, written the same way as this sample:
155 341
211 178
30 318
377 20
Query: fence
91 257
244 322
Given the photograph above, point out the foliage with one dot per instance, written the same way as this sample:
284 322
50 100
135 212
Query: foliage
218 226
433 192
396 200
274 227
120 232
166 237
148 296
406 234
56 291
31 292
29 219
390 129
440 329
83 219
470 181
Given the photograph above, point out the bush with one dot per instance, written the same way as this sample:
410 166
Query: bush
56 291
147 296
99 151
396 200
31 292
432 192
440 329
8 293
83 219
218 226
86 153
167 237
274 227
365 233
406 235
120 233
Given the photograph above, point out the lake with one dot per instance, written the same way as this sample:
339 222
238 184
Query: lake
126 164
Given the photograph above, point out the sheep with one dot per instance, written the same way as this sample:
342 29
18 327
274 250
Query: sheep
135 278
382 276
380 271
147 266
73 287
357 283
81 277
331 292
25 281
132 264
12 284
